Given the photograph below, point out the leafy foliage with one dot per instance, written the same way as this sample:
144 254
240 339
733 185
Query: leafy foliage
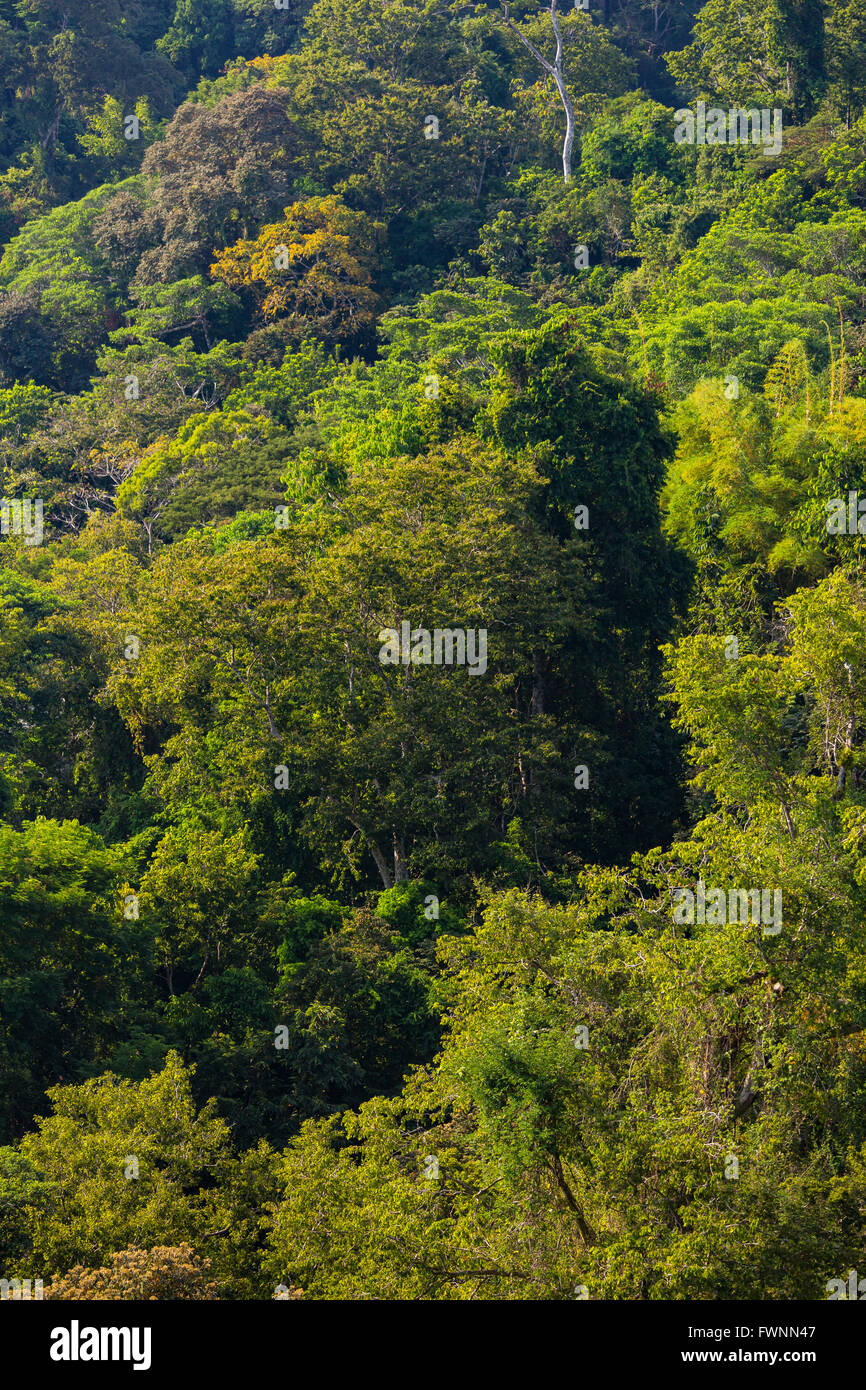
330 969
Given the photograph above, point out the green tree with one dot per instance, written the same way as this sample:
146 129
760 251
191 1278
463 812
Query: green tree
217 465
70 968
132 1164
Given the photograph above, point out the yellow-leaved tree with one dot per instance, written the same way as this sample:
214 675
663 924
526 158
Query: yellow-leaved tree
313 269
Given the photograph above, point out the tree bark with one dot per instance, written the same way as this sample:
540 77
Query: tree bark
401 868
554 70
536 699
586 1231
381 864
745 1098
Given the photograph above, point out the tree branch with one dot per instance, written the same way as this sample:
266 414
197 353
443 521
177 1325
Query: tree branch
554 70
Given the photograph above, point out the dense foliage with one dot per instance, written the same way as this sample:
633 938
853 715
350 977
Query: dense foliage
334 969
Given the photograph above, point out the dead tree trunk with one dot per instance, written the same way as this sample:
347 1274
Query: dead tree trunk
554 70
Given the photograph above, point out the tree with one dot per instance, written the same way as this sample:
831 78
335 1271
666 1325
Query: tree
314 268
22 407
79 52
200 39
26 340
398 39
68 967
135 1165
554 70
220 170
196 894
846 53
163 1272
187 306
581 1122
601 446
218 463
54 267
746 54
382 756
105 141
359 1013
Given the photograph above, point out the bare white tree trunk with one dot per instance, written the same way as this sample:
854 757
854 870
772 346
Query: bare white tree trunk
555 71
